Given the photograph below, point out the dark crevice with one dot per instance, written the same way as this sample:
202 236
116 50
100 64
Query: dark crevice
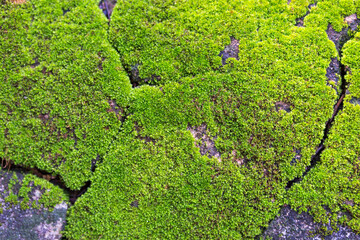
95 162
122 119
56 179
333 73
339 39
300 20
107 7
65 11
135 79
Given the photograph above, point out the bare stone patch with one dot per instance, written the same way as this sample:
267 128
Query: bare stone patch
204 142
36 63
338 38
18 1
107 6
50 231
31 223
333 74
136 80
115 109
283 106
291 225
238 160
353 21
297 157
230 51
355 101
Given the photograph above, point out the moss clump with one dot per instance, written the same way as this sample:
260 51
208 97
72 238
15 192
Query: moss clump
32 192
331 190
332 12
59 74
162 41
263 110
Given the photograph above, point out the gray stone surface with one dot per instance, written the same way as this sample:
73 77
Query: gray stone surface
29 224
333 75
230 51
293 226
204 142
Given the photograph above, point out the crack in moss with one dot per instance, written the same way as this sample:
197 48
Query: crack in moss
107 7
300 20
339 40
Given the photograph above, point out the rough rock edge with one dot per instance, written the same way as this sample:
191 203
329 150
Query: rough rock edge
283 106
333 75
230 51
291 225
19 224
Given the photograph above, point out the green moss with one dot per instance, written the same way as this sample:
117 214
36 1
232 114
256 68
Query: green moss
33 192
59 74
331 189
262 109
333 12
154 162
168 40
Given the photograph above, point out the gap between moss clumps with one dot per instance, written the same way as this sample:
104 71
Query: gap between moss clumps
339 39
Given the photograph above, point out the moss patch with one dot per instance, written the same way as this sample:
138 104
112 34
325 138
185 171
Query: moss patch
58 75
65 96
331 191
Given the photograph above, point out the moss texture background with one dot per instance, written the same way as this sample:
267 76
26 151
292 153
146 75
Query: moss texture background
67 105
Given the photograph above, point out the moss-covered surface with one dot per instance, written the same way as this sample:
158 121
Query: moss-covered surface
65 92
30 207
58 75
31 192
331 190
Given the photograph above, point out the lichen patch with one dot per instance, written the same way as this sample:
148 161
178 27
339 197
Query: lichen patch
48 231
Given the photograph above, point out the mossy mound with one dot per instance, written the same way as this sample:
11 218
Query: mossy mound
238 108
265 113
59 77
331 190
162 41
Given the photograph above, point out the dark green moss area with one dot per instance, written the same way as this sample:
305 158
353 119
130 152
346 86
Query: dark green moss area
207 150
59 76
